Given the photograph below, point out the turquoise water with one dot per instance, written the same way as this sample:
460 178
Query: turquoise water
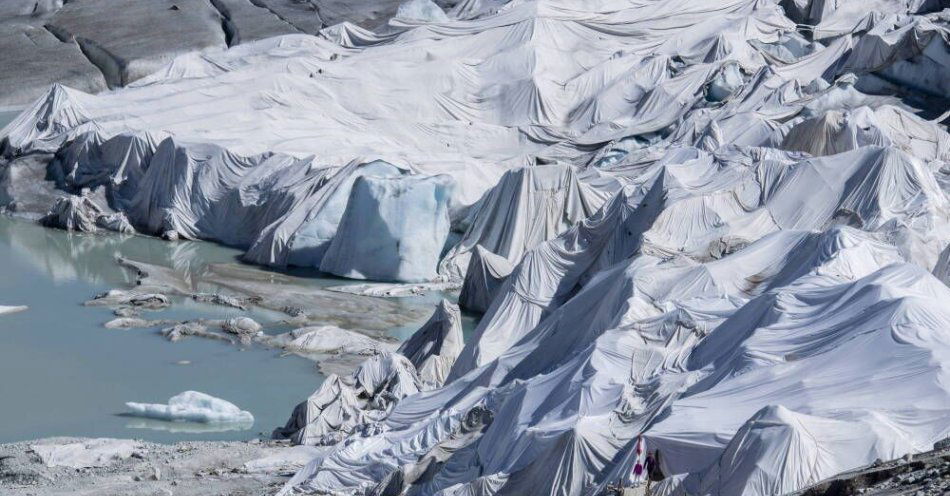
64 374
6 116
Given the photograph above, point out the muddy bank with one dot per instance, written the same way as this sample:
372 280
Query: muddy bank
296 303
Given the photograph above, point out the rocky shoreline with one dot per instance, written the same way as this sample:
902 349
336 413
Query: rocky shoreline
104 467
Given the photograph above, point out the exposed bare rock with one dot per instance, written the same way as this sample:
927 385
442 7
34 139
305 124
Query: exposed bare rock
923 474
242 326
238 302
328 340
126 312
184 329
135 322
393 290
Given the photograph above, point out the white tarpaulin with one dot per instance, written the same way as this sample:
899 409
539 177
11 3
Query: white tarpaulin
706 233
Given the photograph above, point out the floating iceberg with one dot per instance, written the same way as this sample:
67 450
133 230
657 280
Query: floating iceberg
192 406
5 309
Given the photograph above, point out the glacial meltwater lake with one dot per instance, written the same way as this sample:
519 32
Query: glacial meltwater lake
63 373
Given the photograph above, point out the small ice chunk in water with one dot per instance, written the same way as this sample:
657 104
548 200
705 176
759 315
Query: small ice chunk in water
191 406
11 309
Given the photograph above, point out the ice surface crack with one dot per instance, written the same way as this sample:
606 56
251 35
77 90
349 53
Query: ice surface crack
259 3
108 64
231 35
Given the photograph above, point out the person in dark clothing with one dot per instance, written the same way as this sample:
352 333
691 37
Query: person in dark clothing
652 466
654 473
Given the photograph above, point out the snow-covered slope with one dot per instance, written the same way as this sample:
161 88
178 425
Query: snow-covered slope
699 229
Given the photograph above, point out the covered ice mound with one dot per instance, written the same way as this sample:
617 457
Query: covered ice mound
359 401
73 213
631 355
778 451
712 204
486 272
192 406
118 164
891 319
837 131
528 206
326 416
718 281
282 210
328 339
434 347
343 405
394 229
689 203
269 124
80 213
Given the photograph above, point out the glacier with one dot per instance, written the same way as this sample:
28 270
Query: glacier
712 233
393 229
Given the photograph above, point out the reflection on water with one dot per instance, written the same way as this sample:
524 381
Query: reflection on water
187 427
64 374
69 256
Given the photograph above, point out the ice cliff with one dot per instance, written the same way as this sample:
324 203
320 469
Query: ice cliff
716 231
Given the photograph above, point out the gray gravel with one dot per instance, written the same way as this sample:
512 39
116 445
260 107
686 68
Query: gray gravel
181 469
